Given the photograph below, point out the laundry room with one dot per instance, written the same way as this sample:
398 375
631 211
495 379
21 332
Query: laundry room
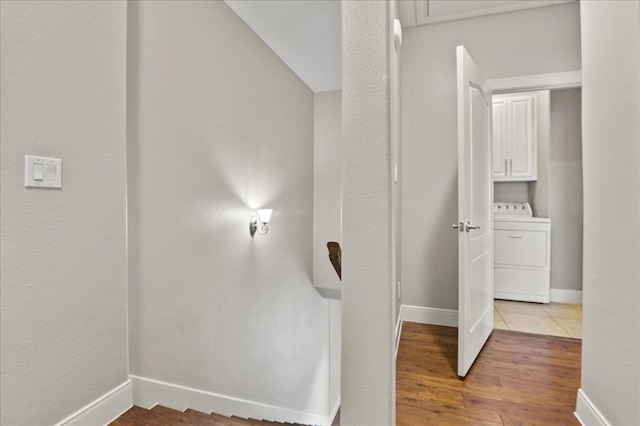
538 211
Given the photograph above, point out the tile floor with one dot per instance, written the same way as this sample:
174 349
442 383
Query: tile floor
553 319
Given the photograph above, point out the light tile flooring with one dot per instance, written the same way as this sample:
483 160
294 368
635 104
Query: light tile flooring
553 319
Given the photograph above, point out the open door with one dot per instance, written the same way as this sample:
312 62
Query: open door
475 221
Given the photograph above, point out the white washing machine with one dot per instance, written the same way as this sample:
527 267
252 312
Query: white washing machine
522 254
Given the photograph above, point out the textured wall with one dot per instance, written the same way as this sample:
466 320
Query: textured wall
368 363
611 154
219 126
565 189
533 41
63 257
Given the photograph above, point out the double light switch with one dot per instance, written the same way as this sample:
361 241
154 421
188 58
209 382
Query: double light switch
42 172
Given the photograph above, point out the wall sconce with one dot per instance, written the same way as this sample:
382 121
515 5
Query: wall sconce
264 216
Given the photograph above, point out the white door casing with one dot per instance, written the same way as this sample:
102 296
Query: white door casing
475 214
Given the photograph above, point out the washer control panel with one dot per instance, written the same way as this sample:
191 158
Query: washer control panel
512 209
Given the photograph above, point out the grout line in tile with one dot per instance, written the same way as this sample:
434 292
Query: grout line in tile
560 325
502 318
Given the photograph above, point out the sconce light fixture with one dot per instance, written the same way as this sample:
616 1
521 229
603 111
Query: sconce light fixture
264 216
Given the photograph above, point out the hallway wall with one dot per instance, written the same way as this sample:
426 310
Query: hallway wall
219 126
611 154
533 41
63 257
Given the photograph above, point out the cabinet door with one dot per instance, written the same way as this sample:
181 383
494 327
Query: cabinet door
523 161
500 148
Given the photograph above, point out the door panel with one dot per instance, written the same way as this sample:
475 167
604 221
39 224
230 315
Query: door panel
475 220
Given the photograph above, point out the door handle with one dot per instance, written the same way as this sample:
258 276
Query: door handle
458 226
468 227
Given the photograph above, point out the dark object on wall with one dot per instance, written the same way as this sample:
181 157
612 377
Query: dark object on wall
335 256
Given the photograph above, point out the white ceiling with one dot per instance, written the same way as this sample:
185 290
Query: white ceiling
306 34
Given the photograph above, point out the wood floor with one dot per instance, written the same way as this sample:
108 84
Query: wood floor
518 379
163 416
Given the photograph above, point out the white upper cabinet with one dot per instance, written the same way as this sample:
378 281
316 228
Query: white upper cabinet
515 137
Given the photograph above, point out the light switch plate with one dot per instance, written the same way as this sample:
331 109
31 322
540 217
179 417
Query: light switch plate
42 172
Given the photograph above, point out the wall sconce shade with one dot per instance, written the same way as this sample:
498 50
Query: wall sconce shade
264 216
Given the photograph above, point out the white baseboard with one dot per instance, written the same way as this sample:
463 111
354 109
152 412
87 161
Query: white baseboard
560 295
103 410
446 317
148 392
587 413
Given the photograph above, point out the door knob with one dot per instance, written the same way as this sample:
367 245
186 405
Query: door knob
468 227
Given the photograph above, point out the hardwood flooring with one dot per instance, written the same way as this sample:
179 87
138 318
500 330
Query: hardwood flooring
518 379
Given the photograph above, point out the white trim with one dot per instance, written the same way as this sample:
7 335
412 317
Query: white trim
148 393
557 80
103 410
446 317
398 329
334 411
560 295
587 413
512 6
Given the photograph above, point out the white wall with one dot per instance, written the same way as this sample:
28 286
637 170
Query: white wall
511 191
565 189
611 154
533 41
64 316
219 126
327 188
368 296
327 216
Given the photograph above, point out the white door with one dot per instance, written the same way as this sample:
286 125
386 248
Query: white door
475 221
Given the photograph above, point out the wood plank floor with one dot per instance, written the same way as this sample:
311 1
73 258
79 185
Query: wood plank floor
163 416
518 379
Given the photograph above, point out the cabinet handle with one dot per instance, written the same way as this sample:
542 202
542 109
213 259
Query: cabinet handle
519 237
511 167
506 170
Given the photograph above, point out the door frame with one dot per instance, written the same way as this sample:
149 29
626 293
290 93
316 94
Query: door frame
529 83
